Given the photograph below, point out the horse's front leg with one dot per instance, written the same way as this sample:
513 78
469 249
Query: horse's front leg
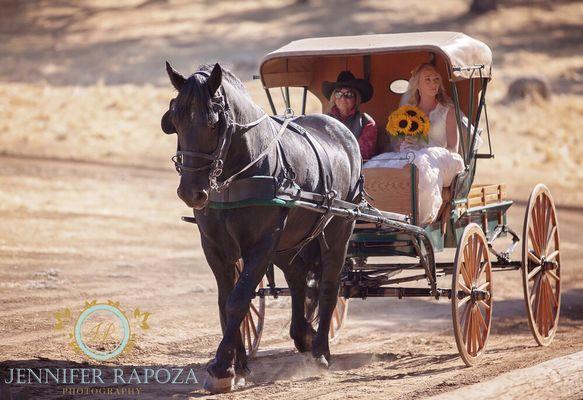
225 276
256 257
337 234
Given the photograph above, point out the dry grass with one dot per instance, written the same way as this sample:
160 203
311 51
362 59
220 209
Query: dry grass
118 124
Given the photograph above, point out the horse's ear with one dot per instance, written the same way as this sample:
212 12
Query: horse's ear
176 79
214 80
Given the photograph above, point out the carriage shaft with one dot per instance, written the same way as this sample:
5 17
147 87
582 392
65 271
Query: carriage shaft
399 292
364 292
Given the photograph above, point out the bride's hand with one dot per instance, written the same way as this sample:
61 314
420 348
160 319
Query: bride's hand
409 144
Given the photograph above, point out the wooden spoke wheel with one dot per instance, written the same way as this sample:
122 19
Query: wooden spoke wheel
471 297
541 265
252 325
338 317
337 321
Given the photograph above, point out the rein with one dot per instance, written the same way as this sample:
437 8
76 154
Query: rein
217 157
275 139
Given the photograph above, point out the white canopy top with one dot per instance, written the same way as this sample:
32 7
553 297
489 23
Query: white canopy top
457 49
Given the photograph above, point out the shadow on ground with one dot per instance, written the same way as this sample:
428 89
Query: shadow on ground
77 43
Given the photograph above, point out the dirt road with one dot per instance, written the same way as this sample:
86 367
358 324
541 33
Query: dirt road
85 80
72 232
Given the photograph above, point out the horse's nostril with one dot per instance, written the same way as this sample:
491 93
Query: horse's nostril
192 199
200 200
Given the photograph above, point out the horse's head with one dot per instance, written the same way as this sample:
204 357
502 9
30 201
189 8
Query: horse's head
196 115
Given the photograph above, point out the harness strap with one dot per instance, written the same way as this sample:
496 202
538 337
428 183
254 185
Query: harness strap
284 170
323 162
262 189
325 167
276 138
246 127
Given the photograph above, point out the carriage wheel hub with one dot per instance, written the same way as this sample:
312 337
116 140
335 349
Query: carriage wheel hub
478 295
548 265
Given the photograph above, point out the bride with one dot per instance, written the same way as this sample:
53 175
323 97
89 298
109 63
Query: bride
438 161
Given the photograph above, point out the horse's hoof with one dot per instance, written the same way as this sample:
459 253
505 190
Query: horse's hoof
302 347
219 385
321 362
242 371
239 381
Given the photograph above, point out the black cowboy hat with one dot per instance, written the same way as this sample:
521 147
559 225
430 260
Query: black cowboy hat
347 79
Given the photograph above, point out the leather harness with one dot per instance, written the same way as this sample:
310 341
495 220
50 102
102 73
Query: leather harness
279 189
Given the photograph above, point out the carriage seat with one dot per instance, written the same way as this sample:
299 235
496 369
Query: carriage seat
393 189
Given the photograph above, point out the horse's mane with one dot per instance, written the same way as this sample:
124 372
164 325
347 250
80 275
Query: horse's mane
195 90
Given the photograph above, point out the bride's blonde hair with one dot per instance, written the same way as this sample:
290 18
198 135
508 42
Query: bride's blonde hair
413 89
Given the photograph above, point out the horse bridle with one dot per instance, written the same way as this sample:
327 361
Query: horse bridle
228 127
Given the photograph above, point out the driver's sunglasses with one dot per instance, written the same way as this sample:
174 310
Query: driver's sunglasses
341 94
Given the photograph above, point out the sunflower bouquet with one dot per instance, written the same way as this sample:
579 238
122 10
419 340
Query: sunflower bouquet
409 121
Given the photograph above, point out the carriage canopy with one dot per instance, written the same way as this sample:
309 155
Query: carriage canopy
294 64
380 58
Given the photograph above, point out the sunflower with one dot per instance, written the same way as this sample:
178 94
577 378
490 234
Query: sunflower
410 121
403 123
424 123
424 127
392 125
414 127
411 111
398 123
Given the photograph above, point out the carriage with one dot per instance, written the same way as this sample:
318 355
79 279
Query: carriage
390 254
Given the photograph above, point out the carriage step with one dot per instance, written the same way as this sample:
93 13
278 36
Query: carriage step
192 220
274 292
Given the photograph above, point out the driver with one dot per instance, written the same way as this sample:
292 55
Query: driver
346 95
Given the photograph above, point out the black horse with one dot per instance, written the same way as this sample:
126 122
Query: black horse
223 136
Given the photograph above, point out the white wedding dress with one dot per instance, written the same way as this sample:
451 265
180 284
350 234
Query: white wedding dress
437 166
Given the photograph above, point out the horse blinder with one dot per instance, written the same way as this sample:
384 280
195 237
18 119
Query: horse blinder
166 124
